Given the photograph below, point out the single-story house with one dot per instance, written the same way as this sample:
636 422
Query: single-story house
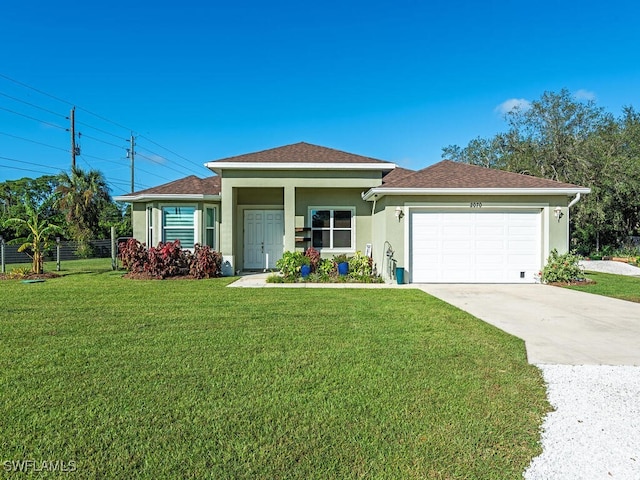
449 222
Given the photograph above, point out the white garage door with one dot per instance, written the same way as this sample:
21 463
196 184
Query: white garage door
478 247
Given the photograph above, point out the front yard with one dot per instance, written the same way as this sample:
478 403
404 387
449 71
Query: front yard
189 379
616 286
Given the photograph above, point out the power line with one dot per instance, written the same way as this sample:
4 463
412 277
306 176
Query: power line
49 167
32 118
33 88
33 105
164 165
172 152
154 174
42 92
22 169
84 135
34 141
102 131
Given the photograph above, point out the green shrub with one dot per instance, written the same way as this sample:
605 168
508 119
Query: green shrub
562 268
326 267
360 264
290 264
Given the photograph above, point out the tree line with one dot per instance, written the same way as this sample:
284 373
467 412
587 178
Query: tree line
561 138
73 205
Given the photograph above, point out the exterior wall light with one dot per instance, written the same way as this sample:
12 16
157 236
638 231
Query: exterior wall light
557 212
399 213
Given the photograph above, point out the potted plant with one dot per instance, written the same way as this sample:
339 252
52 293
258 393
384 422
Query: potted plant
343 263
305 267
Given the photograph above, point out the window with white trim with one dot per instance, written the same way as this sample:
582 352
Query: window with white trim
178 223
210 227
332 229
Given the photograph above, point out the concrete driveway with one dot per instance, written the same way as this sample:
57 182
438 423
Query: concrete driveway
559 326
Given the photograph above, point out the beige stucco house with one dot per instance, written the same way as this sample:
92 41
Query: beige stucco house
449 222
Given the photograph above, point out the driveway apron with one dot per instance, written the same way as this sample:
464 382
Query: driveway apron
558 325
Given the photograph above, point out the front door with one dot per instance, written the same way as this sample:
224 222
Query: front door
263 238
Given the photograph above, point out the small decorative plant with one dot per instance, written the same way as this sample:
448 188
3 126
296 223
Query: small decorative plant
360 265
341 258
314 258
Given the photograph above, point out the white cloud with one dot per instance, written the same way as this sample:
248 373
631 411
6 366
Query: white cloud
583 94
511 104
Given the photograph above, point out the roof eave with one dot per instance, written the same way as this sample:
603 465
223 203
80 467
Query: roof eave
168 196
379 192
219 166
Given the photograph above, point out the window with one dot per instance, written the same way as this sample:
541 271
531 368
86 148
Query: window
178 224
210 227
150 226
332 229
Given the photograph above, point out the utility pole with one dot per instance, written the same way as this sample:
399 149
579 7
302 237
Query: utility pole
73 137
131 154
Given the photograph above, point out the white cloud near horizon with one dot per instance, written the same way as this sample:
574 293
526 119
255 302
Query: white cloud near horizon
583 94
511 104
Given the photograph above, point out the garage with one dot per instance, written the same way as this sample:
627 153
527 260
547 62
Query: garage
475 247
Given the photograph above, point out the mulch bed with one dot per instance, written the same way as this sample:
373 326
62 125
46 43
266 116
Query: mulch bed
586 281
148 276
30 276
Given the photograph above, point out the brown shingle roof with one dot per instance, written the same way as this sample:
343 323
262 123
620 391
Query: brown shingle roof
190 185
301 153
396 174
448 174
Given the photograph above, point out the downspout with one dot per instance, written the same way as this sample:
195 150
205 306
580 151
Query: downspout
575 200
373 211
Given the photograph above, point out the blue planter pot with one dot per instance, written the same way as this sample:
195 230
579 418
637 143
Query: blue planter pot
343 268
305 270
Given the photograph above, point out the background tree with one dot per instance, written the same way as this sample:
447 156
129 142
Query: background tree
577 142
83 196
40 190
37 231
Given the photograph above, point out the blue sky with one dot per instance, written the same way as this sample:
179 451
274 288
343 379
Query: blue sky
202 80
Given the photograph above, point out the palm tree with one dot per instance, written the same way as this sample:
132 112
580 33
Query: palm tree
82 196
39 233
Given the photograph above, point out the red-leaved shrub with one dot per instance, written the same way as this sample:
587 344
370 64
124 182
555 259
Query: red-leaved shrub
169 260
205 262
133 255
314 258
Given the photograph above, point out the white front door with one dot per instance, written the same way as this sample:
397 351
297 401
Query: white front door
263 238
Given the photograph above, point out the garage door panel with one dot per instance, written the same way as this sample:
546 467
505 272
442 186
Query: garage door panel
488 260
456 231
489 245
479 247
457 245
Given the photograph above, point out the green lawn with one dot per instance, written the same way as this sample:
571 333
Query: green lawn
617 286
189 379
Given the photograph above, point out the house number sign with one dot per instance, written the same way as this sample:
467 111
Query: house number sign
475 205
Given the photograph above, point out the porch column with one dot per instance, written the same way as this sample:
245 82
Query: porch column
289 218
227 216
